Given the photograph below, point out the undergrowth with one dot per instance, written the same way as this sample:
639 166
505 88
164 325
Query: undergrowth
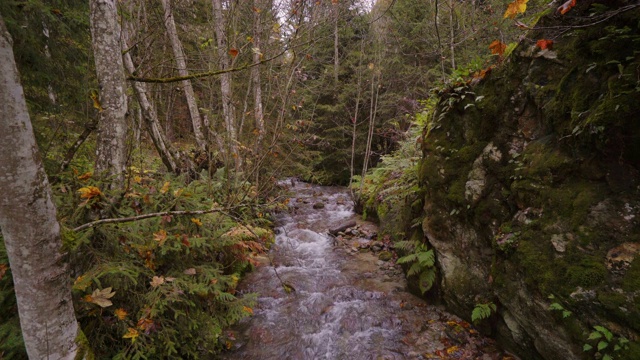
157 288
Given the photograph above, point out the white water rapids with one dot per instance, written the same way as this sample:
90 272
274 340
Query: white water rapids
343 303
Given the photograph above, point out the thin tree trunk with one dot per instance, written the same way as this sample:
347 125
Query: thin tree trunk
372 118
256 80
336 42
228 108
452 43
29 226
196 121
168 155
88 129
355 117
111 154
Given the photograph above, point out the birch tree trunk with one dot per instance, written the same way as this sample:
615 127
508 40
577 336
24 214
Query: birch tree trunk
181 63
111 152
29 226
228 108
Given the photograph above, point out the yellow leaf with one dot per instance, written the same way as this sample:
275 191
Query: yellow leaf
96 101
515 8
160 237
89 192
177 193
137 179
131 334
165 187
196 221
101 297
452 349
121 313
157 281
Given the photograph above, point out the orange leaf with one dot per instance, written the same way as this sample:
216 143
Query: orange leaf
564 8
89 192
160 237
85 176
544 44
248 310
3 270
497 47
233 52
121 313
515 8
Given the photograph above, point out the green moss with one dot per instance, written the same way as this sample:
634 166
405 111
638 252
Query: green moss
589 272
84 348
631 280
456 191
632 353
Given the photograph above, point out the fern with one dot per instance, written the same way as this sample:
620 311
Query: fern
422 263
483 311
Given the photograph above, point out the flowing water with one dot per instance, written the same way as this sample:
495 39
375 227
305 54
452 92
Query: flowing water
327 298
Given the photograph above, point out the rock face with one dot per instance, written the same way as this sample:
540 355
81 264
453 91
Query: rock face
535 191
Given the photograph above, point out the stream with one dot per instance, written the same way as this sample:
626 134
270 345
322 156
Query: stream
326 297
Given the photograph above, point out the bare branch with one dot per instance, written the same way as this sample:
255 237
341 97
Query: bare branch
147 216
201 75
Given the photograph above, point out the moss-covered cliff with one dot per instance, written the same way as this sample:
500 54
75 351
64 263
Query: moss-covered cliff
530 187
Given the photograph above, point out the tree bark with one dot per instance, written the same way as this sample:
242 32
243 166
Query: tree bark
111 154
190 96
29 226
228 109
168 155
256 79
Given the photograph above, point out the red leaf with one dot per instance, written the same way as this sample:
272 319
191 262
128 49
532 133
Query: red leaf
233 52
564 8
544 44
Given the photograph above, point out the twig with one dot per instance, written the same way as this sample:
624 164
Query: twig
146 216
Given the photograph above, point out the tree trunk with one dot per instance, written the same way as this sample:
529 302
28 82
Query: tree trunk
228 108
196 121
29 226
452 43
256 80
336 42
111 154
168 155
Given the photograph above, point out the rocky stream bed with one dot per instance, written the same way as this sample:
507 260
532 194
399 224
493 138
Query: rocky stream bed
330 289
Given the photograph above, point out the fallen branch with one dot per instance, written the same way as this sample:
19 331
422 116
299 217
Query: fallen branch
146 216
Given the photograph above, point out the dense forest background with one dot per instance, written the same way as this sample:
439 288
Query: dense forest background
219 101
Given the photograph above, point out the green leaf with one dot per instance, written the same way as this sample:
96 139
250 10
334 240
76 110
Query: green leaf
607 357
602 345
407 259
426 259
587 347
555 306
415 269
426 280
566 314
594 335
